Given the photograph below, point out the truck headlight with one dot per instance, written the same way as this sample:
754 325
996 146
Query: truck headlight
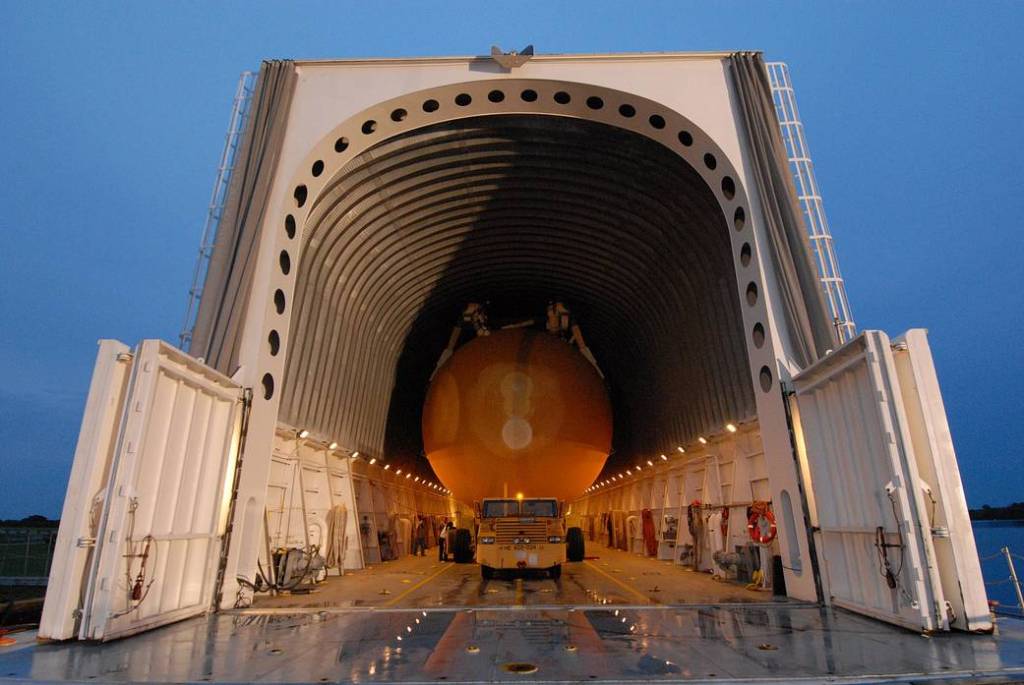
487 540
554 538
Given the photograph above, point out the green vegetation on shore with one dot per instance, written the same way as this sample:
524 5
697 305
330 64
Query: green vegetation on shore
1010 512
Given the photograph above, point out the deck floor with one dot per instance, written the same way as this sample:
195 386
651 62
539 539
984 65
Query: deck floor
609 577
616 618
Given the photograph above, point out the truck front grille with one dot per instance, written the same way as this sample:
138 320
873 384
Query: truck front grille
507 532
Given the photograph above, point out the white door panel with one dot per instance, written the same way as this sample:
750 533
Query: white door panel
869 507
165 480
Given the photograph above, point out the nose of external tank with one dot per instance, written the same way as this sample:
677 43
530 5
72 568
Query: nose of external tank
517 411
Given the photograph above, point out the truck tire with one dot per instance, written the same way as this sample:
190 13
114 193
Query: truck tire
556 572
486 572
461 547
575 546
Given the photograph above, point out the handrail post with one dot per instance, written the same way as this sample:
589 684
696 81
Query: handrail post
1013 577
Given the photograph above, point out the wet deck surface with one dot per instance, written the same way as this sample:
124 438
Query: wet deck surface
618 618
613 577
777 643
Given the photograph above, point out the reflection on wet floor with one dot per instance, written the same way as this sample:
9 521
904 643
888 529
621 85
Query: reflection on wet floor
611 577
784 642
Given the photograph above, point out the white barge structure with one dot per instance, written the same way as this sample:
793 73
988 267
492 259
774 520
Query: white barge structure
781 501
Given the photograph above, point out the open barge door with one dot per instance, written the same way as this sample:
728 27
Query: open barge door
145 516
887 507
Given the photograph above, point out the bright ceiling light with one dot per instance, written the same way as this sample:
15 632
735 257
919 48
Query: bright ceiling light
681 450
333 446
355 455
399 472
303 433
387 466
702 440
650 463
664 458
731 427
373 460
409 475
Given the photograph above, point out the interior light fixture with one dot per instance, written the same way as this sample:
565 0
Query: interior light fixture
303 433
702 440
664 458
387 466
398 472
409 475
650 463
681 450
333 446
731 427
355 455
373 460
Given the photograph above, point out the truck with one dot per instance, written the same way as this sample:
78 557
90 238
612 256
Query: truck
525 533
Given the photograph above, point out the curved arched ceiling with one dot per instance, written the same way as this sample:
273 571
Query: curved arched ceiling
516 210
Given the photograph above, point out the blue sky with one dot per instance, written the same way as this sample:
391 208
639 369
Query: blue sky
113 117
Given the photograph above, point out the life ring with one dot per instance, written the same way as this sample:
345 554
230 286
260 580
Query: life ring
759 521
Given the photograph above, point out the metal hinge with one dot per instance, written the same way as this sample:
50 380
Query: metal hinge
86 542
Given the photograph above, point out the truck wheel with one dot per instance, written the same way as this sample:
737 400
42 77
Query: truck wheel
556 572
486 572
576 548
461 548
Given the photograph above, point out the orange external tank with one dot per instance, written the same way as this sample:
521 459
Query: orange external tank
517 411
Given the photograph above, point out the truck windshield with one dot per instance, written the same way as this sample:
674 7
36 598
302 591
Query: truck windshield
500 507
540 507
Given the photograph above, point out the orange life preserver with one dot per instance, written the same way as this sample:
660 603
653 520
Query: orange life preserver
757 530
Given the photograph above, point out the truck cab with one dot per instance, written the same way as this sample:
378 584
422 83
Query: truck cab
521 534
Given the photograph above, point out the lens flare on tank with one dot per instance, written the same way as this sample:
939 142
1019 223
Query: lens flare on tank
517 411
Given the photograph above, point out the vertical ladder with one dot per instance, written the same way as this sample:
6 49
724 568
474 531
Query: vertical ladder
239 113
815 221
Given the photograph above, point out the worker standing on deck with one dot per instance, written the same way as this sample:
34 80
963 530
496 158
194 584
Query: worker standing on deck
442 540
419 538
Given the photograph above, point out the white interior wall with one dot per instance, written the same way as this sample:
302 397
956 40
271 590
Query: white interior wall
668 486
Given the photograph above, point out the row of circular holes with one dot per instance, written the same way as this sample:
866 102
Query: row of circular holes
528 95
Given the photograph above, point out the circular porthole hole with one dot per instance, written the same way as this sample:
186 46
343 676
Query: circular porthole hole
289 226
496 96
594 102
709 160
341 144
318 167
562 98
300 195
268 386
752 293
529 95
686 138
628 111
519 668
757 335
369 126
431 105
279 301
657 121
729 187
463 99
274 341
739 218
746 254
766 378
285 261
398 115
